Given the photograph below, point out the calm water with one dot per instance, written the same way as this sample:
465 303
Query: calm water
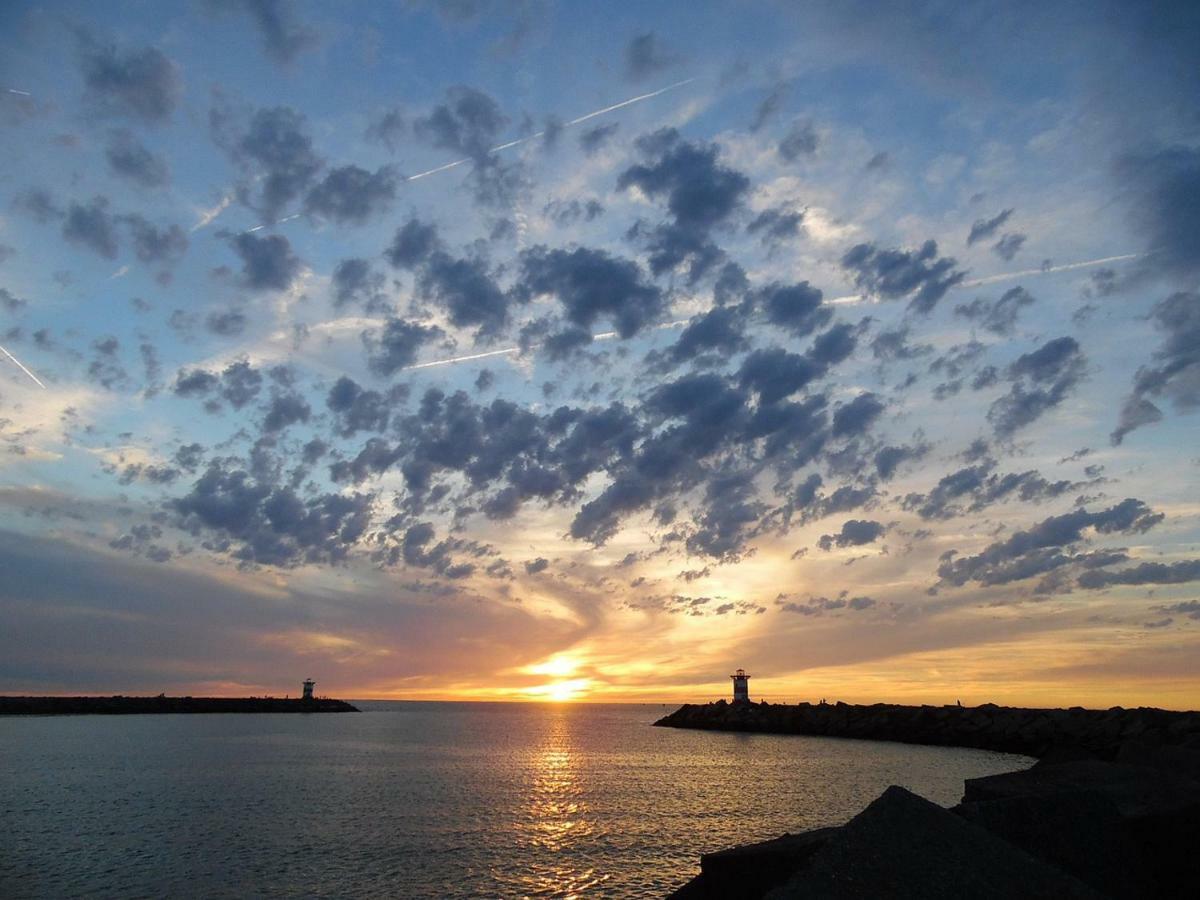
420 800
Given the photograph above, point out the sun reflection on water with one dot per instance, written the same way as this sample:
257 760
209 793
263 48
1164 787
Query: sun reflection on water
556 818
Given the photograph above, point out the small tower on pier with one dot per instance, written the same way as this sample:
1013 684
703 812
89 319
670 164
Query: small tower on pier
741 686
309 684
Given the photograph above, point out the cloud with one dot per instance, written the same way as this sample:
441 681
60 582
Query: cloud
701 194
153 244
350 195
283 38
92 226
1009 246
1043 547
140 84
275 151
1145 573
1041 380
129 158
854 533
1177 376
998 316
592 140
1164 203
468 122
388 128
396 345
894 274
591 285
801 140
645 56
986 228
268 263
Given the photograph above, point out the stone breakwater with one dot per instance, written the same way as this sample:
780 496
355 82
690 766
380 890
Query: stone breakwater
115 706
1031 732
1111 809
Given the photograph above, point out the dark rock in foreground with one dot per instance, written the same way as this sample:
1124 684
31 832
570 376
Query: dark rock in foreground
110 706
1070 826
1067 733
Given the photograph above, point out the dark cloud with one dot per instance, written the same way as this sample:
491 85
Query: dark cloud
591 285
797 308
468 122
645 56
1046 545
572 211
854 533
986 228
39 204
227 323
888 459
285 410
276 152
283 37
700 193
268 263
130 159
388 128
768 107
721 330
465 289
92 226
351 195
238 384
141 84
1009 246
10 302
265 525
893 274
775 225
1176 378
534 566
801 140
592 140
413 244
396 345
1145 573
1041 380
1164 199
998 316
155 245
818 606
356 409
353 281
855 418
975 487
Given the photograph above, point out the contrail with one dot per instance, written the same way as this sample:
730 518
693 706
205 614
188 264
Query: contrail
536 135
834 301
1007 276
22 93
21 366
272 224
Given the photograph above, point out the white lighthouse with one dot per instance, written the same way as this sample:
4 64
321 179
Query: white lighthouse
741 686
309 684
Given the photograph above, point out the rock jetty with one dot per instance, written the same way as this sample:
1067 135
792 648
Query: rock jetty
1118 821
116 706
1032 732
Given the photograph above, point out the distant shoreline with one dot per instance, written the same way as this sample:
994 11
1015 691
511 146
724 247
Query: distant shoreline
162 705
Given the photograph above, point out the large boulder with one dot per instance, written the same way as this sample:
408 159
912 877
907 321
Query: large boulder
903 846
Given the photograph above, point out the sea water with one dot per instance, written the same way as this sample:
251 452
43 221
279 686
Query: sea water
417 800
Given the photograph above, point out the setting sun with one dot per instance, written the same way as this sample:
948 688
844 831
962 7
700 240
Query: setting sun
560 691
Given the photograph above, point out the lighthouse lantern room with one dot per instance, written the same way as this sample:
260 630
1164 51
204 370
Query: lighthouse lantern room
308 688
741 686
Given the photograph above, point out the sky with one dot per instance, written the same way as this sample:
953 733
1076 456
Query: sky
548 351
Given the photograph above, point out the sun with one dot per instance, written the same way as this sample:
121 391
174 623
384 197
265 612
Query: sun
560 691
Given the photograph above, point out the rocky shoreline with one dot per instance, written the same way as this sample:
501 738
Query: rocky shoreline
1109 810
118 705
1030 732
